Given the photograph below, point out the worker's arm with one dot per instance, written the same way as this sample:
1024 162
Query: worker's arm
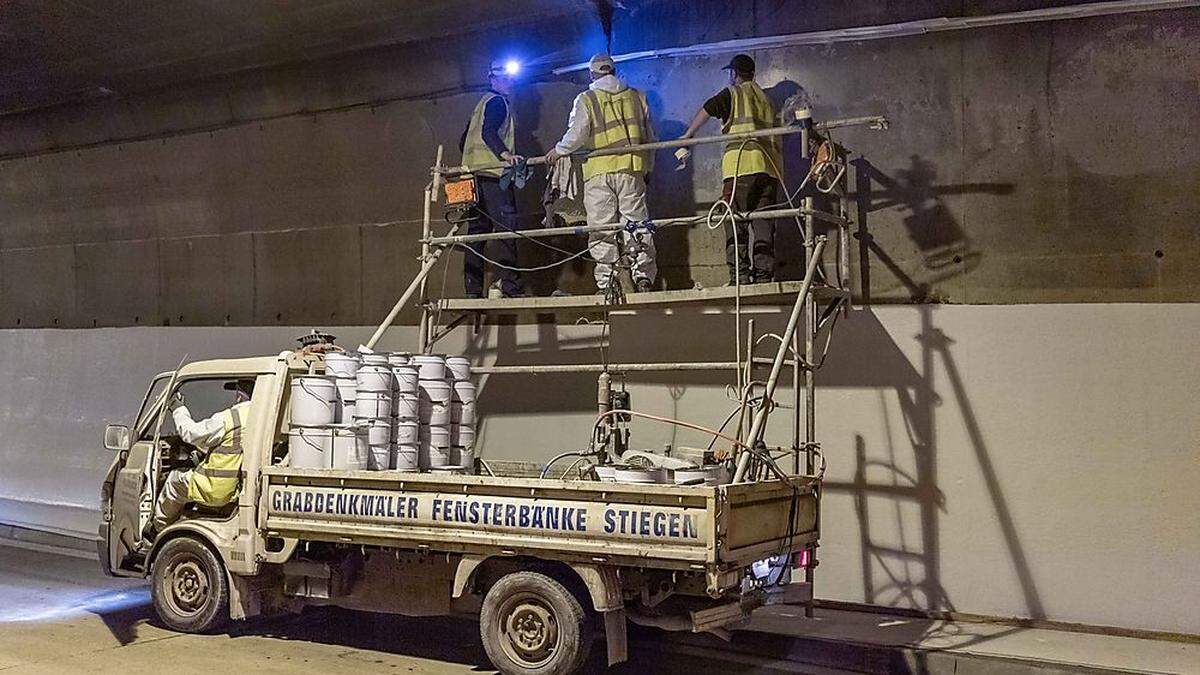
720 105
494 115
205 434
579 132
699 120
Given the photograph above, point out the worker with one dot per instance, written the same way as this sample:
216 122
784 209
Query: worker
218 440
488 142
752 170
610 114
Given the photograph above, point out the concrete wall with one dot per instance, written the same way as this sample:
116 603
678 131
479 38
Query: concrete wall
1031 460
1062 171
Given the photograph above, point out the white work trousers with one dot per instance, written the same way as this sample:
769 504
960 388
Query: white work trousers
171 498
615 199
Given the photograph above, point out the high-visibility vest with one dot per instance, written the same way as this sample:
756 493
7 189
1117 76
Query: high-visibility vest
477 153
751 112
617 120
215 482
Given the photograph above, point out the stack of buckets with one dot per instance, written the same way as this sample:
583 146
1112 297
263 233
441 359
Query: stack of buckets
385 411
324 433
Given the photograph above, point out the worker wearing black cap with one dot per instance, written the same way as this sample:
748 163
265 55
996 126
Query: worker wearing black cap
752 170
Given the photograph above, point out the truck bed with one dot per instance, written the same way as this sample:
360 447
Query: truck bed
654 526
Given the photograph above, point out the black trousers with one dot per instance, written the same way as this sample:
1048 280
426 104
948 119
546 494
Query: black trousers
496 212
754 256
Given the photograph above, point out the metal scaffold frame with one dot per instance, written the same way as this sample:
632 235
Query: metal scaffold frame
811 294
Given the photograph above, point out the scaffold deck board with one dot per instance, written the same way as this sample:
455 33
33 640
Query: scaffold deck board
757 294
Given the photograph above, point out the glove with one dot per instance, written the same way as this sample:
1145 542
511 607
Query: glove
515 174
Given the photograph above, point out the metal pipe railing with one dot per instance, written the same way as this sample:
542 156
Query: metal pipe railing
657 222
873 121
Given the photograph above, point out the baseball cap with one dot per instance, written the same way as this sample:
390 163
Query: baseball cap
602 64
741 64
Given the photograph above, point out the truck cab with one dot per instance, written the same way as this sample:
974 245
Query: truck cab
543 561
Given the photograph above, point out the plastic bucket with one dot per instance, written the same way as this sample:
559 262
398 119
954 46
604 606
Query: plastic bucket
373 405
378 432
406 378
350 449
438 457
338 364
462 403
431 367
375 359
408 432
435 446
310 447
347 389
608 474
406 407
464 457
435 402
380 457
462 434
313 400
460 367
408 457
714 474
374 378
398 358
638 474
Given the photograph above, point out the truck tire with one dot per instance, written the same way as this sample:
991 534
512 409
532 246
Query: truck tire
189 587
532 625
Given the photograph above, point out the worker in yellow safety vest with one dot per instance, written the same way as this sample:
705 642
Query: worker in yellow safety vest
487 145
216 479
611 114
752 170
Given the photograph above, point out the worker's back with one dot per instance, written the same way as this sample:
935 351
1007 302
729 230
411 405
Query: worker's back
617 114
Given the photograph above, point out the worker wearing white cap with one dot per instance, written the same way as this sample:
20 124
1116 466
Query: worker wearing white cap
215 480
611 114
487 145
751 170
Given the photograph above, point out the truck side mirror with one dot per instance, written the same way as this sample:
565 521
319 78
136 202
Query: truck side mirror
116 437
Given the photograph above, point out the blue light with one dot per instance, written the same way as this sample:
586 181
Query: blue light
512 67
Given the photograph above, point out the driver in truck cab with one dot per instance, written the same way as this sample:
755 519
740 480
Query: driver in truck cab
215 480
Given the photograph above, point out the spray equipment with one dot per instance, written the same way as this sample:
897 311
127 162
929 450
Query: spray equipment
797 109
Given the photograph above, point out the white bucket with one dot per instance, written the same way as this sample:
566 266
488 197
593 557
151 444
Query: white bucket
448 470
435 402
714 474
407 407
638 474
608 474
438 457
406 378
399 358
378 432
310 447
408 432
373 405
408 457
376 359
462 403
430 367
462 434
350 449
347 389
464 457
313 400
338 364
381 457
460 368
374 378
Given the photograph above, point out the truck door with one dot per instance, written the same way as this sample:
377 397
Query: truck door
130 477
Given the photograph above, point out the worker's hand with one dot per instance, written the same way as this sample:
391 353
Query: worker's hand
512 159
552 157
176 401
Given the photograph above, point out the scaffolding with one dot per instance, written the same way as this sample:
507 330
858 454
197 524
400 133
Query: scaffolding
818 299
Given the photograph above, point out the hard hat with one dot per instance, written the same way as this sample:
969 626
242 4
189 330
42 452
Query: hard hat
602 64
741 64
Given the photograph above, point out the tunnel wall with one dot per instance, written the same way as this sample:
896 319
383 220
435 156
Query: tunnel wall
1025 461
1062 171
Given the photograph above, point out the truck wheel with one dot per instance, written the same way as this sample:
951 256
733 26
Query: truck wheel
531 624
188 586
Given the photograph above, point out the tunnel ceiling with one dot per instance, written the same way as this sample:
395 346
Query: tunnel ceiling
61 51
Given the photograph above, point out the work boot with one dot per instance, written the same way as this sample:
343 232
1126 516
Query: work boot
643 286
